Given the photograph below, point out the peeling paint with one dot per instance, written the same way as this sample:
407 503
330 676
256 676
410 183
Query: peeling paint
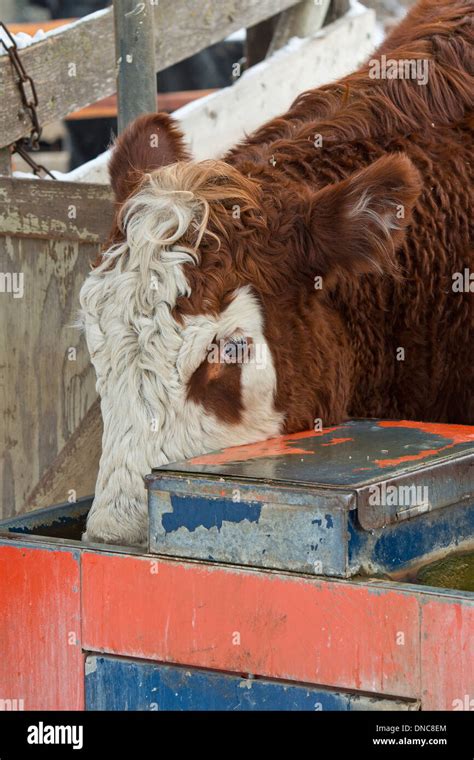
91 665
193 512
305 524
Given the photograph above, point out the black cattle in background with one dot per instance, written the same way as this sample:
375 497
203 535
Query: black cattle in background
208 69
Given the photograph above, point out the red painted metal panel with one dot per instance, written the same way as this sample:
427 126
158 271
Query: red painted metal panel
41 662
447 654
331 633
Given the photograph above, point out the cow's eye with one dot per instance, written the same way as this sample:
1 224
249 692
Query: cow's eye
235 350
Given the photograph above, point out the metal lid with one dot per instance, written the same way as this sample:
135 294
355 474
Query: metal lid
397 469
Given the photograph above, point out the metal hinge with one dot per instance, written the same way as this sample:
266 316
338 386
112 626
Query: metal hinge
419 509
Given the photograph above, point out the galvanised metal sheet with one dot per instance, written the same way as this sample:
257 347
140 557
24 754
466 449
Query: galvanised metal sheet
369 495
114 683
258 530
355 453
403 546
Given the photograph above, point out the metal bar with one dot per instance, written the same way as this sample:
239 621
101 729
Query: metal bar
135 58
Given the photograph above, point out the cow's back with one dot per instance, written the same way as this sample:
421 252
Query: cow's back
412 338
415 335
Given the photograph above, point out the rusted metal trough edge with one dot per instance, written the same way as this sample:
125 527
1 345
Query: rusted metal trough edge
373 585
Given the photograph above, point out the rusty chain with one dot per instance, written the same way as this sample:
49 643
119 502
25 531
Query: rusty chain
29 98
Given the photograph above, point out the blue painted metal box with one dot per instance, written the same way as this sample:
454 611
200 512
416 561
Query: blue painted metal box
367 496
114 683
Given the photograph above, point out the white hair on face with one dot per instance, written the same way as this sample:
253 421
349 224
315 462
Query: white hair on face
144 358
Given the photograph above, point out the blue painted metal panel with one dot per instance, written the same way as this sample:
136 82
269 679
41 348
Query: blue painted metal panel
194 512
302 538
120 684
305 539
397 547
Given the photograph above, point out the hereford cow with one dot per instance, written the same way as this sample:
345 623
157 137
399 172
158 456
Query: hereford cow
319 271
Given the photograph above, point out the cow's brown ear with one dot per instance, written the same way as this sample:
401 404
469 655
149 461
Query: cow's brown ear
357 224
148 143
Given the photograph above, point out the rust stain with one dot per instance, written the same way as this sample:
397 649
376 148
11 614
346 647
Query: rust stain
272 447
337 441
455 433
412 457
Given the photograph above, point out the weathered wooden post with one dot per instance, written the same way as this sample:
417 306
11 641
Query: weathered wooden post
135 59
300 20
5 161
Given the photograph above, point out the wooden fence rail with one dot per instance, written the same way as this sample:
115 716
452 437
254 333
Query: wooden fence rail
75 66
55 210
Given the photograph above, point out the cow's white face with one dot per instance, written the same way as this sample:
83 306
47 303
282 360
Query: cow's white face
170 388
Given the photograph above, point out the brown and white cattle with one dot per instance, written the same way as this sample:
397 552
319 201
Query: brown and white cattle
314 273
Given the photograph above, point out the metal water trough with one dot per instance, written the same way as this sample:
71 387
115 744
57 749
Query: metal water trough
367 496
229 609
